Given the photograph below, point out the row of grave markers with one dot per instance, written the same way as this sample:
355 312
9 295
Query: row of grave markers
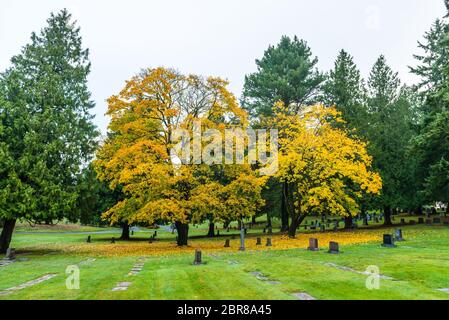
388 241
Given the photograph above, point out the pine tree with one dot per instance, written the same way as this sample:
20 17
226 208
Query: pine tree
345 90
389 132
48 131
287 72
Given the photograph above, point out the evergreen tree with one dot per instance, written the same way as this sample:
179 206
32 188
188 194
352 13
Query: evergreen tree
47 135
389 132
287 72
430 148
345 90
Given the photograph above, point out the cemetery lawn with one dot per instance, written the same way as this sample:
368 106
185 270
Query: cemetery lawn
417 267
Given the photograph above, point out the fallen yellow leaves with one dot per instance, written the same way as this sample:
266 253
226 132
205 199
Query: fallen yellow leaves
161 248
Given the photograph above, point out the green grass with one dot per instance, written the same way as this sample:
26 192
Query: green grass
419 266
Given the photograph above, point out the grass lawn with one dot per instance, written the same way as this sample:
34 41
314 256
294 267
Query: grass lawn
417 267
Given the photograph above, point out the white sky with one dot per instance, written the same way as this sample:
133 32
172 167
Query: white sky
221 38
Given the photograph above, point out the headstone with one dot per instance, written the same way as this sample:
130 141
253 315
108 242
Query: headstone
388 241
398 235
268 242
10 254
197 260
113 240
88 239
313 244
333 247
226 245
420 220
259 242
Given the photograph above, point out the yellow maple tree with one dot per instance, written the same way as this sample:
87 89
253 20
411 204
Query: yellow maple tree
325 170
137 157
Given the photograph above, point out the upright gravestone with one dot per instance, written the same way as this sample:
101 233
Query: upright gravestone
226 245
398 235
268 242
313 244
10 254
333 247
197 260
259 241
88 239
388 241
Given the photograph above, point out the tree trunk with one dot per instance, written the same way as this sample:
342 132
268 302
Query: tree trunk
419 211
211 232
296 222
253 220
387 214
6 235
183 233
284 211
125 232
348 222
269 225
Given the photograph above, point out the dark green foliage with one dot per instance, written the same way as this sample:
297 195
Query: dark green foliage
94 198
286 73
345 90
47 133
390 127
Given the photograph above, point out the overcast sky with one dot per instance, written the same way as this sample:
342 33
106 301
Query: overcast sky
221 38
